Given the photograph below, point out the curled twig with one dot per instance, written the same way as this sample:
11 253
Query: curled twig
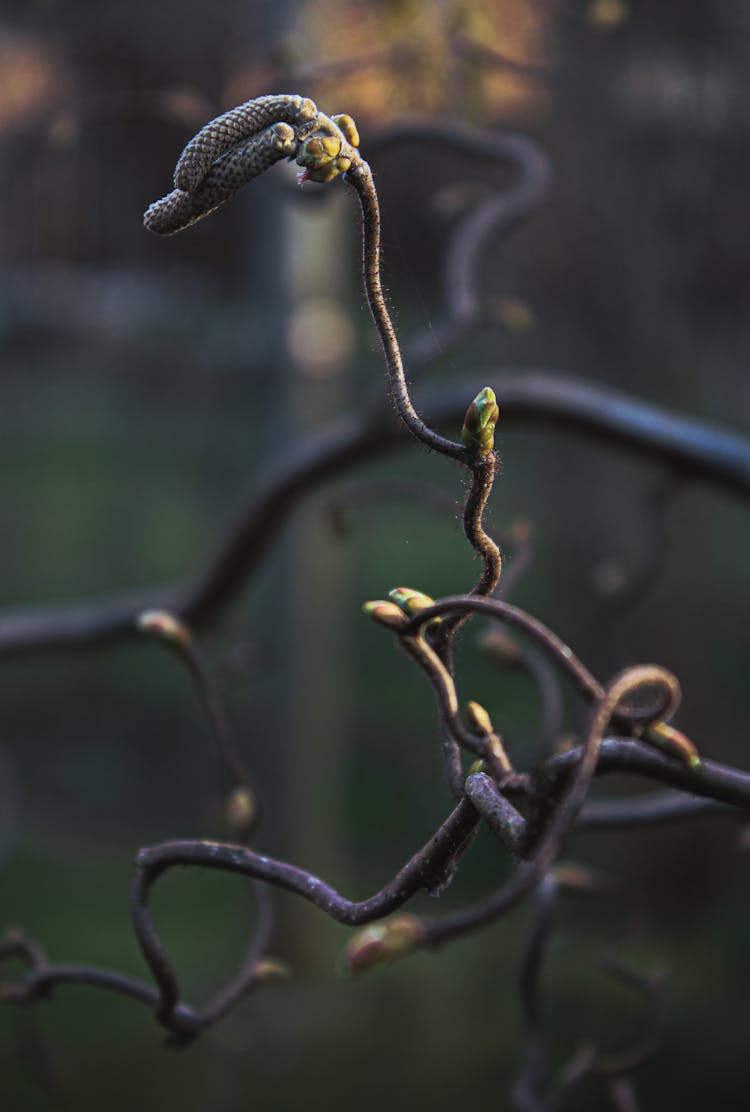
426 869
694 448
551 840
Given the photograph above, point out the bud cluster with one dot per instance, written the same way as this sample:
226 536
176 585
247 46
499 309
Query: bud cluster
402 604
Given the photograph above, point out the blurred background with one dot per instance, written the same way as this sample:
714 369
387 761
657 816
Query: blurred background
147 384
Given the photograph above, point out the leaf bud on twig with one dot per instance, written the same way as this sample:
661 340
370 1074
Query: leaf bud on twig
322 158
479 720
240 810
270 969
478 432
480 724
412 602
385 612
381 942
348 128
318 150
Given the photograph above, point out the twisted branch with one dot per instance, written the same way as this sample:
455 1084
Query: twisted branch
695 449
534 813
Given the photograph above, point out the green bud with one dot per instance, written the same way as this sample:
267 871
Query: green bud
269 969
318 150
411 601
479 720
381 942
387 613
322 158
478 432
480 724
330 170
348 128
240 810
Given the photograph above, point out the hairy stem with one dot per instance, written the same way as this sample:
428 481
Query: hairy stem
360 176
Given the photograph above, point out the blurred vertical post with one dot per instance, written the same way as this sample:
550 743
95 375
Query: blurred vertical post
319 343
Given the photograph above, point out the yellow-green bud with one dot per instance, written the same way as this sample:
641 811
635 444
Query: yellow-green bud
322 158
269 969
318 150
385 612
478 432
348 129
381 942
240 810
411 601
329 170
479 720
480 724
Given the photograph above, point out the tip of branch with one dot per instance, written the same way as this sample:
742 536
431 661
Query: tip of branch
385 612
